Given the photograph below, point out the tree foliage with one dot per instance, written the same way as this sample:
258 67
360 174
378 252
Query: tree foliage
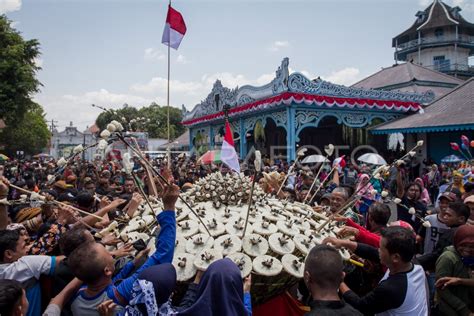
17 72
151 119
29 135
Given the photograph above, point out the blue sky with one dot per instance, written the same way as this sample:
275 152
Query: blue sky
108 52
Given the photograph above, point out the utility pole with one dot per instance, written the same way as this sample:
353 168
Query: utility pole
52 126
51 129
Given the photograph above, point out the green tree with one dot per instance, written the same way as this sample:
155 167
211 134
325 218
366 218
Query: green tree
30 135
151 119
17 72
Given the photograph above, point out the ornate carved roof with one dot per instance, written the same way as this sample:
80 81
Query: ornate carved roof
449 113
437 14
296 88
409 77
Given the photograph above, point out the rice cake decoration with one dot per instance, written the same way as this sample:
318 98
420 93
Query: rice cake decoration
281 244
255 245
187 228
267 265
264 228
237 227
199 242
293 265
184 265
243 262
228 244
204 258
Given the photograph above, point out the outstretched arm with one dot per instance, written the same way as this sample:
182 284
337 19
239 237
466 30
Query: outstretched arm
164 242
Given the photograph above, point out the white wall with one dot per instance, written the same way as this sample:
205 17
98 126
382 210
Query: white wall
427 55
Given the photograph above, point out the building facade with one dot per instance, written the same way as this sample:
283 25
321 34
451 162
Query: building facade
439 39
62 143
294 111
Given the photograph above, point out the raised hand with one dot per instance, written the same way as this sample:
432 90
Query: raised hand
123 252
107 308
170 196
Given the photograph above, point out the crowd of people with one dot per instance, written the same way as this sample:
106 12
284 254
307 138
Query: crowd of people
412 233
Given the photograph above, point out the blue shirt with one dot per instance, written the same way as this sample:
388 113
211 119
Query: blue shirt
121 294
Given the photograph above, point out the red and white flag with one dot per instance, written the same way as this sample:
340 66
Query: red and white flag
340 163
228 154
175 28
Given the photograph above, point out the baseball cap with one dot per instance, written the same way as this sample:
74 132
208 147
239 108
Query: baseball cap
450 196
469 199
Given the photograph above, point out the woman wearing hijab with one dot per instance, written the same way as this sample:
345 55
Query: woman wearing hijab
150 294
411 198
364 188
454 282
424 196
434 181
220 292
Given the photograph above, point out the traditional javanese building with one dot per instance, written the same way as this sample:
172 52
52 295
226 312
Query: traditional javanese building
63 143
437 47
442 122
440 39
293 111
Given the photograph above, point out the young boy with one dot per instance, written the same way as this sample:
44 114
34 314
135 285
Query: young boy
16 265
431 235
455 215
93 264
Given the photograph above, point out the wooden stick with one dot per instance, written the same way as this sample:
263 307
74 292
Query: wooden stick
322 183
142 192
288 175
250 202
59 203
315 179
164 181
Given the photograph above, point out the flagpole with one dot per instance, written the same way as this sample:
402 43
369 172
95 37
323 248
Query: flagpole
168 95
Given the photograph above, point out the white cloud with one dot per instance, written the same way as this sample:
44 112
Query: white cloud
15 24
9 6
346 76
153 54
182 60
158 86
306 73
77 108
424 3
191 92
277 45
466 6
38 62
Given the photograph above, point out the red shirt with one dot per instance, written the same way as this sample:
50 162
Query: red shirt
365 236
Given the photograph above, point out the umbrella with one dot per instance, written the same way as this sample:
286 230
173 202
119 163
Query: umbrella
451 159
212 156
373 159
3 157
315 159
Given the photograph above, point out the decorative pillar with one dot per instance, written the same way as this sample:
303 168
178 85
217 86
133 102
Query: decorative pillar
290 134
191 140
243 139
211 137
